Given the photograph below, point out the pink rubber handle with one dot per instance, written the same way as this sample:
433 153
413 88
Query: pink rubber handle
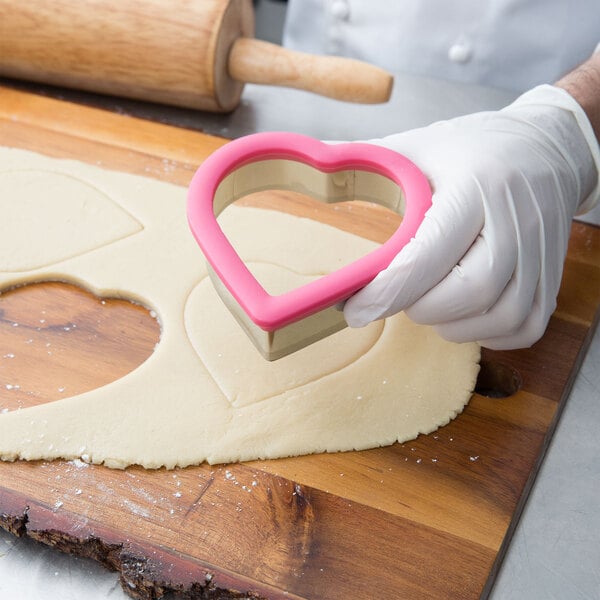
273 312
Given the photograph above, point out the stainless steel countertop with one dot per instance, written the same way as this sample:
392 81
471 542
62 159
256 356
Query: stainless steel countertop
555 553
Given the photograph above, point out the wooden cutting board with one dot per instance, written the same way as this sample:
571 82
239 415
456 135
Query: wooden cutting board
427 519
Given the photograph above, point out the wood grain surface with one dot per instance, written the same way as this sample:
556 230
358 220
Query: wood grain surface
195 54
170 52
425 519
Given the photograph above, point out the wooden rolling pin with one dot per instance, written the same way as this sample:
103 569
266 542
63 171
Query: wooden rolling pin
194 53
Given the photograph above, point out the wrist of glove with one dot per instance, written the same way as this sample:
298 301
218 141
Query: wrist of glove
486 262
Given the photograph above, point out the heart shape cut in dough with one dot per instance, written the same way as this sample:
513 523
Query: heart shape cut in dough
332 173
68 228
241 373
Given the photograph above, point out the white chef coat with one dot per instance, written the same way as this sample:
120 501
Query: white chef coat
507 44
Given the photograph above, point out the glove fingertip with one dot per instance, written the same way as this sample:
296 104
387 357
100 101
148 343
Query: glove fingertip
356 314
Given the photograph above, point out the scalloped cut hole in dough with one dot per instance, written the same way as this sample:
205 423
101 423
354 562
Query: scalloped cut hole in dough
59 340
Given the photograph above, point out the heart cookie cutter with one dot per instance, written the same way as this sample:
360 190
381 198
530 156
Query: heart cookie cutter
279 325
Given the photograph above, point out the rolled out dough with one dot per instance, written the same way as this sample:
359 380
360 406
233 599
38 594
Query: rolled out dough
206 394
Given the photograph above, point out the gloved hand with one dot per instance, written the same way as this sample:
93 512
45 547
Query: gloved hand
486 262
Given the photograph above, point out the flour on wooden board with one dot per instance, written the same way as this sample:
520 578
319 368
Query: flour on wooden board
122 235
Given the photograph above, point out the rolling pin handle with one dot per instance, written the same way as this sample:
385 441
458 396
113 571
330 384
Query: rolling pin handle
255 61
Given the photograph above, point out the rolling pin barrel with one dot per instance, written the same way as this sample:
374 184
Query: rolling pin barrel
194 54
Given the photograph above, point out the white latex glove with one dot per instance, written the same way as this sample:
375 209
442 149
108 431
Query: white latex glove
486 263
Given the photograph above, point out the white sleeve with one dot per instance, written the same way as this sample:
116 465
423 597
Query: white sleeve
487 43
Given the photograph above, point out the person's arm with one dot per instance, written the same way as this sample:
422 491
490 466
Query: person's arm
486 263
583 83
